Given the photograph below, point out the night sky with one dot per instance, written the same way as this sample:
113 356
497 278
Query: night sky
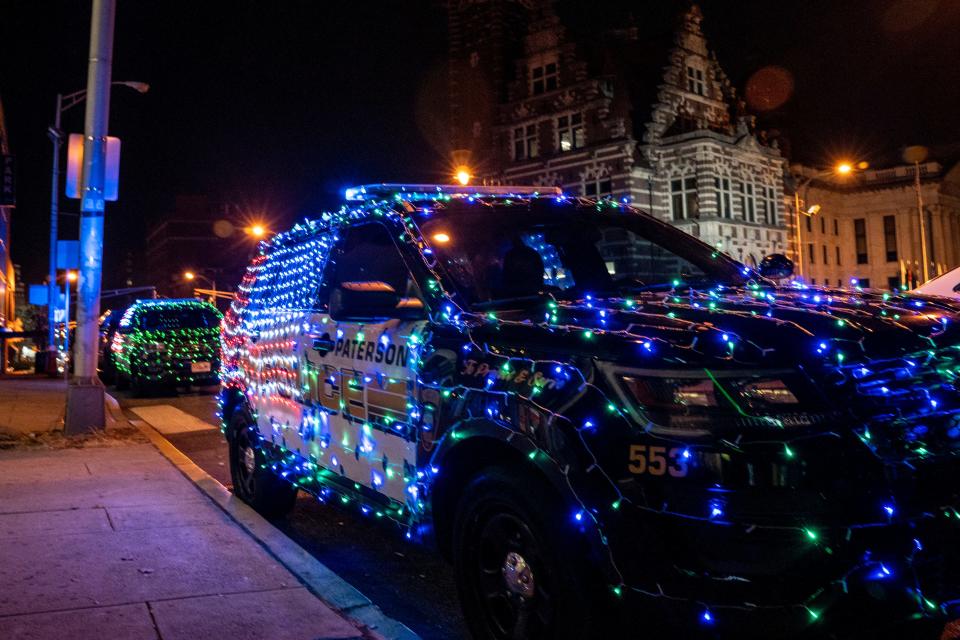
279 105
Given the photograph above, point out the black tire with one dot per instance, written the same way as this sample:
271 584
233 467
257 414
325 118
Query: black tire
254 482
503 513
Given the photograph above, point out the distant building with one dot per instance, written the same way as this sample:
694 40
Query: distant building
617 115
866 225
200 236
7 276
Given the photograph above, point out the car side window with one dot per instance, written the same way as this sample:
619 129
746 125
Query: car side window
366 253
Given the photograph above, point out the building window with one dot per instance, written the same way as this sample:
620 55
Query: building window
860 238
890 237
864 283
544 77
811 254
893 283
724 198
809 222
813 281
836 227
683 199
525 142
751 204
825 261
598 187
695 81
771 206
570 133
837 252
745 199
823 226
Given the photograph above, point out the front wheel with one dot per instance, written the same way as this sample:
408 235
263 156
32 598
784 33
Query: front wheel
519 573
253 481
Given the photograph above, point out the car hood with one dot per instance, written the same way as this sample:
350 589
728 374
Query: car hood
725 327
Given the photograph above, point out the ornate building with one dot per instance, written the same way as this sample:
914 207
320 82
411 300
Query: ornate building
615 115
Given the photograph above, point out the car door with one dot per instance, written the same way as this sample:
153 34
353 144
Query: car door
359 365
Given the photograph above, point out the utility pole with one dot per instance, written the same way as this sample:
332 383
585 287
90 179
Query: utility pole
923 225
85 395
56 136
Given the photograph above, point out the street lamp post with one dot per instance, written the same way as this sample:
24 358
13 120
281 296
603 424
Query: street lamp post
842 169
192 275
64 102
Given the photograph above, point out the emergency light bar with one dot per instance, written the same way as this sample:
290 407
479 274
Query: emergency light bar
381 190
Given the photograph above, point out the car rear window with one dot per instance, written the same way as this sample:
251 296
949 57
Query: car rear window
185 318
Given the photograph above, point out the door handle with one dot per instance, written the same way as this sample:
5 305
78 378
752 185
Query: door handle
323 345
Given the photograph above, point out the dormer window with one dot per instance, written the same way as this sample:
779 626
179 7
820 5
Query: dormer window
544 75
695 81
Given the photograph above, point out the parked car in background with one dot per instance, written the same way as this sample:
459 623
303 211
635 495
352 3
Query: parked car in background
946 285
167 343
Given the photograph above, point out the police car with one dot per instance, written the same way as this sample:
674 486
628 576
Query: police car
583 407
169 342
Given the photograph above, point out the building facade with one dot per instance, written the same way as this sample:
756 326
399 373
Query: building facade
657 124
866 227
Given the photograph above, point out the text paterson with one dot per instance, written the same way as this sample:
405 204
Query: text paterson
374 351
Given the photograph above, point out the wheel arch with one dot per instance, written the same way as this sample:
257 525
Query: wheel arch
478 446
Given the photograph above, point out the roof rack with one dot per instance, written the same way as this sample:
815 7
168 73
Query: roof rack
384 189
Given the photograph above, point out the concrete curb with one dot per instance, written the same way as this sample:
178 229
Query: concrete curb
324 583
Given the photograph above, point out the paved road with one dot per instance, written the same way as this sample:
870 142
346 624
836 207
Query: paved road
409 582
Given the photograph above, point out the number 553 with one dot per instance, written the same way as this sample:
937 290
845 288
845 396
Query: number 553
657 461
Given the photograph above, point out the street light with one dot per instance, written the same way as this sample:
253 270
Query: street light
190 276
841 169
64 102
257 230
463 175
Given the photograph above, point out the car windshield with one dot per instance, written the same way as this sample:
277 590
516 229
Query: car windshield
181 318
509 254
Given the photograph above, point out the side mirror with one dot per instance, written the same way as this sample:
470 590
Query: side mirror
371 300
776 266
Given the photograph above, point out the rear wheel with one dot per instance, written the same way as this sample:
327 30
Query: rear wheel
520 574
253 481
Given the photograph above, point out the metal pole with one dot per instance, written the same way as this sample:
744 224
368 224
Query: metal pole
66 325
55 137
85 396
796 206
923 230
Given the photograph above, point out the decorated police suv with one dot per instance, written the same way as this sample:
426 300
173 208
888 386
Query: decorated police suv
583 405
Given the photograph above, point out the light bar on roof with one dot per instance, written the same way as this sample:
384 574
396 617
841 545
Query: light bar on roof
382 190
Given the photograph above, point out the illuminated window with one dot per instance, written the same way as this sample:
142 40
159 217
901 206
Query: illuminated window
695 81
570 132
684 204
544 76
525 142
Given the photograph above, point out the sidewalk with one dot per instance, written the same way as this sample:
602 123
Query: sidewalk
31 404
111 540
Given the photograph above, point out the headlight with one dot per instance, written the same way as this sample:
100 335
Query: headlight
702 400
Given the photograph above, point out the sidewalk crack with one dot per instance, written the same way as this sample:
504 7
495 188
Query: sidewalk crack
153 621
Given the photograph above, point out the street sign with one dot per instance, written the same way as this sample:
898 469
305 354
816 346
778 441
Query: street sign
8 181
38 294
111 179
68 254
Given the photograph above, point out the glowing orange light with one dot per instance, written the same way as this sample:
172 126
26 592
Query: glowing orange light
258 230
463 175
72 276
844 168
189 275
441 238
